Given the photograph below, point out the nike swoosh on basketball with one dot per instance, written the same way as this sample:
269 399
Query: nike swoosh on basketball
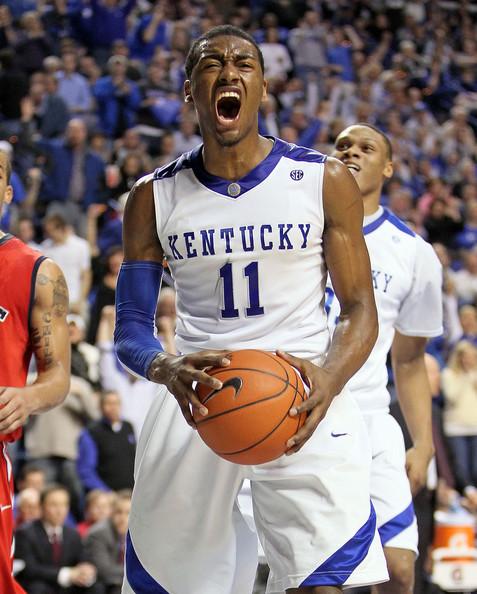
338 434
235 382
4 507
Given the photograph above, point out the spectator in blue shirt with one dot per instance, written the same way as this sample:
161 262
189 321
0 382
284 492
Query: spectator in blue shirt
73 174
73 87
118 98
150 32
106 449
108 21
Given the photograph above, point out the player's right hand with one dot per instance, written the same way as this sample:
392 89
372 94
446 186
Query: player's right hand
179 372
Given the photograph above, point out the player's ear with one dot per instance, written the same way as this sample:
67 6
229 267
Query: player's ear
388 170
265 89
8 195
187 92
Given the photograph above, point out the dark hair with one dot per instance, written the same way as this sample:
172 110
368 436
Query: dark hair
220 31
389 148
53 488
57 220
29 468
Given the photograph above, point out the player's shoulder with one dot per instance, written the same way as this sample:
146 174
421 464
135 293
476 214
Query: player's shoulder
398 226
299 153
183 162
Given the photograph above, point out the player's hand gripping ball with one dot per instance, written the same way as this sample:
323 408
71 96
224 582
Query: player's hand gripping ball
248 420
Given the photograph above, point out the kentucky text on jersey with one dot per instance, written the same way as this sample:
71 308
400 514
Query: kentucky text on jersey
246 238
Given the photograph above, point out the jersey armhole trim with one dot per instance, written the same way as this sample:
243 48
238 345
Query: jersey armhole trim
421 333
34 273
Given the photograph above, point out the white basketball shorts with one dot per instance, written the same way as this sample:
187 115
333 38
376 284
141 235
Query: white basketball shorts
390 489
312 510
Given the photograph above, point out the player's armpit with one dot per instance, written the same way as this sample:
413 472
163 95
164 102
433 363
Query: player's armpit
50 337
140 238
347 260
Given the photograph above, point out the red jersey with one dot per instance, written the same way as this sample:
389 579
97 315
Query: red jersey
18 268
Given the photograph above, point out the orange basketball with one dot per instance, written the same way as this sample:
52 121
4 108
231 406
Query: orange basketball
248 420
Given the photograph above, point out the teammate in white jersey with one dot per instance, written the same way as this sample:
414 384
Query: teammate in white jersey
407 284
247 224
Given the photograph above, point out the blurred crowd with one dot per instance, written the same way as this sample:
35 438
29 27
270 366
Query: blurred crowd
91 99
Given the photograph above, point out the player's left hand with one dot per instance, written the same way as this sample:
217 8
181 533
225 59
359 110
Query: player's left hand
14 408
317 403
417 462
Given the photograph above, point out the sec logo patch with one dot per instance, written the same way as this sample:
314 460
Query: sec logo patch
296 174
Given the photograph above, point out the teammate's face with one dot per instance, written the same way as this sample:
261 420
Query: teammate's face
365 154
6 192
227 87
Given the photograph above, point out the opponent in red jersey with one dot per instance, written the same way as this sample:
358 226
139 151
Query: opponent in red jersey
33 308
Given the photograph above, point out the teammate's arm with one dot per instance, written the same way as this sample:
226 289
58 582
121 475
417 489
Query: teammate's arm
414 395
348 264
136 302
51 347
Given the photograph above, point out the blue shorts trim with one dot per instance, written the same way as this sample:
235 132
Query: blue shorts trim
139 579
337 568
397 524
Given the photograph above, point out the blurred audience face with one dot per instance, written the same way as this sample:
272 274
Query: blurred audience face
70 63
114 261
76 133
468 320
76 327
34 478
25 230
28 505
98 507
111 407
55 507
55 230
120 515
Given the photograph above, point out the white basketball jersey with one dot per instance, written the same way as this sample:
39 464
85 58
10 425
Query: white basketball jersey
246 256
407 280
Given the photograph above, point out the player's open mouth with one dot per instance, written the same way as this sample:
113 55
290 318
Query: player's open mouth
227 105
353 168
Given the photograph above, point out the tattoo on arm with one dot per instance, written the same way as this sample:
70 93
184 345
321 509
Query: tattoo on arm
41 340
60 293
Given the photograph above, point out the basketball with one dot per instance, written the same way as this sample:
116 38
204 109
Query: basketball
248 420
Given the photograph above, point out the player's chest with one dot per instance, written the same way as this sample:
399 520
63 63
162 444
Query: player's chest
391 273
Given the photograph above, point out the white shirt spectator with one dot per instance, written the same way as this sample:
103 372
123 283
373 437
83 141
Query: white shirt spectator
73 257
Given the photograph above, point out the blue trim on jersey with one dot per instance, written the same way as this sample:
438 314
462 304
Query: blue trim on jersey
337 568
397 524
193 159
139 579
393 219
375 224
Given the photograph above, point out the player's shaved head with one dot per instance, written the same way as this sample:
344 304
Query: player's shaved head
220 31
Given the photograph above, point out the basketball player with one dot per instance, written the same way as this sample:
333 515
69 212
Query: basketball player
407 282
249 226
33 308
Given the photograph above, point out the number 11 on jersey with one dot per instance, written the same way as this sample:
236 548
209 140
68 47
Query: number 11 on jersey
251 273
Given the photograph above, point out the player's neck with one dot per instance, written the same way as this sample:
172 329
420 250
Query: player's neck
371 203
2 234
233 162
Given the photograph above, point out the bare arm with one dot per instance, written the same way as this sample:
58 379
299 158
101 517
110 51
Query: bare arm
348 264
414 395
51 347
